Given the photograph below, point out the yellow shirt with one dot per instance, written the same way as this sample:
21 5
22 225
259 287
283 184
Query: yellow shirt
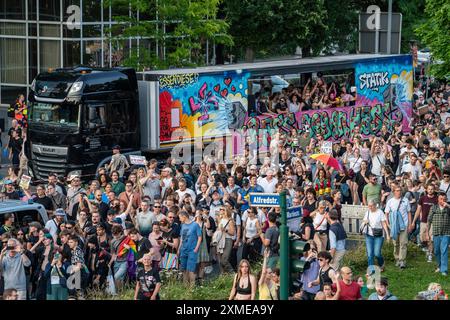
264 293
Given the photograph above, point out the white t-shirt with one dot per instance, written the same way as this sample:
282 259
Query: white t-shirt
261 217
182 193
445 187
416 170
355 163
319 222
268 187
52 227
223 223
378 161
375 220
393 205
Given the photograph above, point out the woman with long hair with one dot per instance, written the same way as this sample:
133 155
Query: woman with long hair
228 228
204 258
43 255
269 281
244 284
252 236
103 179
322 184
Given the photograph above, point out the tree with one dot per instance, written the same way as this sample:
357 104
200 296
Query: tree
276 27
435 33
171 33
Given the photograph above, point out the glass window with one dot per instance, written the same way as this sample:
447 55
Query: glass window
92 31
32 55
32 29
49 10
9 94
54 113
32 10
93 53
71 33
13 61
12 9
92 10
49 30
49 54
72 53
12 29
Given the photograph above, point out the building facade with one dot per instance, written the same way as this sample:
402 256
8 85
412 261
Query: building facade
36 35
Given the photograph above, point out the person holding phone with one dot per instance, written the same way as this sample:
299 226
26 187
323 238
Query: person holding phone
13 262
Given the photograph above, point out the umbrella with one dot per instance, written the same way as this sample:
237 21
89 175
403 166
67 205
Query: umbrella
327 160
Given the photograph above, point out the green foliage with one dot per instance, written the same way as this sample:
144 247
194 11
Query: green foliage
182 27
435 33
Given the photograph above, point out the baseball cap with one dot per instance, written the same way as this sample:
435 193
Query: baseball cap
60 212
117 220
253 167
245 182
7 181
72 176
116 147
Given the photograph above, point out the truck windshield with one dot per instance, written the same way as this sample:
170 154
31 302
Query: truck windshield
54 113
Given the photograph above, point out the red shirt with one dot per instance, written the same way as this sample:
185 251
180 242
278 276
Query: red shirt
348 291
426 203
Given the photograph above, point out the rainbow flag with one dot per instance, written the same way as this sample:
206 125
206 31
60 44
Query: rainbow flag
124 251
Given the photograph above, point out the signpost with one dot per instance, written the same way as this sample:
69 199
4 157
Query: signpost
265 199
284 252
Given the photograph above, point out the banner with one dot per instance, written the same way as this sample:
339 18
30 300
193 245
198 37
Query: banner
327 147
25 182
138 160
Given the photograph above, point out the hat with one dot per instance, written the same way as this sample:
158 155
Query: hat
72 176
116 147
245 182
117 220
60 212
7 181
253 167
204 207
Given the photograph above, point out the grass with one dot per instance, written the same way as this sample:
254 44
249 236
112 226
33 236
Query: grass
405 284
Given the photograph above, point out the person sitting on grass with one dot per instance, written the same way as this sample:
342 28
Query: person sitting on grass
382 292
148 282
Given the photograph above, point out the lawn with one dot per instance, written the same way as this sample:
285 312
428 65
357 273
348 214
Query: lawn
405 284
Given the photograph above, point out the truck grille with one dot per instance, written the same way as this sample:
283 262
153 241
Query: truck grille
47 159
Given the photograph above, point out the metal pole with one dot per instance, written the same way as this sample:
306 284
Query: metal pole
388 46
284 250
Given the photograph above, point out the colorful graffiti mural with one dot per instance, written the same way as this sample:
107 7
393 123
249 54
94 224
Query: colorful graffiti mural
333 124
202 104
386 80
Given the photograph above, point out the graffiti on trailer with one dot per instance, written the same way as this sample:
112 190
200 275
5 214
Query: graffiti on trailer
178 80
333 124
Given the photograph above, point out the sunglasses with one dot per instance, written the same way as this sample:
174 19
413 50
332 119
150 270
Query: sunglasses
157 207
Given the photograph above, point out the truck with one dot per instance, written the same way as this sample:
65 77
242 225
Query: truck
78 114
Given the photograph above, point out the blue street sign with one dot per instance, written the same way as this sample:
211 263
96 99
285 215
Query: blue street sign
294 217
264 199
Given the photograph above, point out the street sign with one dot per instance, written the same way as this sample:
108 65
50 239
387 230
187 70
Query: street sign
294 217
264 199
368 32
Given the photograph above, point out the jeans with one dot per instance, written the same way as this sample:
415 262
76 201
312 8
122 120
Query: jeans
441 251
373 248
120 270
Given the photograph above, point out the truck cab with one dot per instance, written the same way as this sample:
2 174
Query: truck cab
77 115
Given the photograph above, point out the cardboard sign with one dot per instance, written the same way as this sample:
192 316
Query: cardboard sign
25 182
139 160
327 147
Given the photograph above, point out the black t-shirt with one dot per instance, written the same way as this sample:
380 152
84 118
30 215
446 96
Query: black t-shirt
45 201
12 195
148 280
173 233
18 130
310 207
281 107
103 210
143 246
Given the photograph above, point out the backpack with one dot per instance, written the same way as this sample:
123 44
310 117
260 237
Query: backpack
11 113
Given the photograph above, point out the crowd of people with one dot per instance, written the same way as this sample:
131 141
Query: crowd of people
131 223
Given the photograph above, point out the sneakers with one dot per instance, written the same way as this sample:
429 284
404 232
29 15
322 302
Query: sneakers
208 269
402 265
444 274
397 263
437 270
430 258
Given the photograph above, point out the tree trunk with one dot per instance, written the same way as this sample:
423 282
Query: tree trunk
249 54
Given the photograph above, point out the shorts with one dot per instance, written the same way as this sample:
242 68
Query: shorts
423 231
188 261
